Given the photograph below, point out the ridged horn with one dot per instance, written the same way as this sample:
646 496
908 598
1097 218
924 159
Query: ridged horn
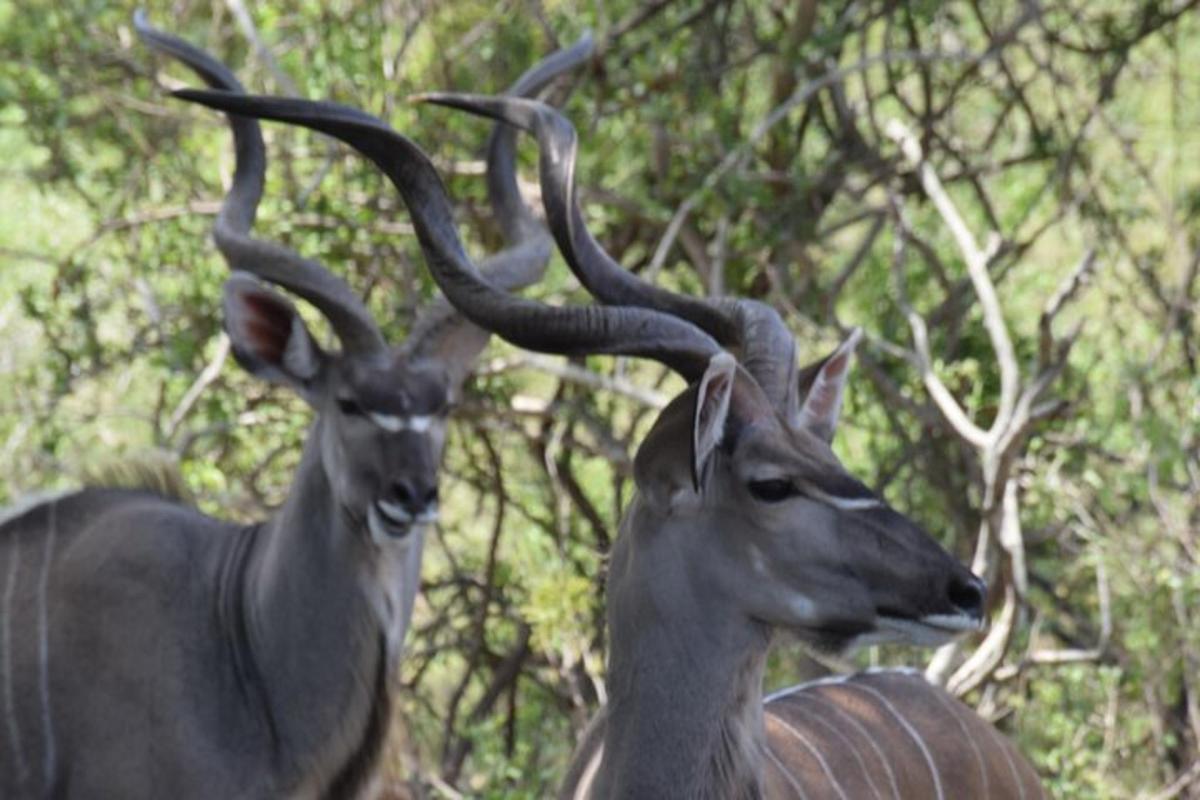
272 262
526 323
439 330
753 329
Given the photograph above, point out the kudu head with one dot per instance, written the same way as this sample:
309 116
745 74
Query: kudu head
739 486
381 409
739 468
766 520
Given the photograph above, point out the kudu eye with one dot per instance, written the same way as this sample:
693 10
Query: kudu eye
775 490
349 406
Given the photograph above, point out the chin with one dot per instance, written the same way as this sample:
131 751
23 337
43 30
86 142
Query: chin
933 630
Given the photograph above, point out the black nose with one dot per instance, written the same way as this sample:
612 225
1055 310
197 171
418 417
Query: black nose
414 496
968 595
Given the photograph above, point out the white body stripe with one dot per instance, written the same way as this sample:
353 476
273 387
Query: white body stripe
10 712
933 770
787 774
804 740
849 743
583 789
950 706
31 501
787 691
1013 769
879 751
43 624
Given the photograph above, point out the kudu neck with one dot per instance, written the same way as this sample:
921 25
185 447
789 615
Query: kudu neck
685 675
314 639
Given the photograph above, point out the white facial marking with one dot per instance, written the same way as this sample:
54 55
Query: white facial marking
418 423
389 422
377 527
757 562
908 631
953 622
397 578
844 503
394 512
385 517
802 606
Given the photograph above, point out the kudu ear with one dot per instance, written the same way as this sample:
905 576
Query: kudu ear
673 458
269 338
711 412
822 386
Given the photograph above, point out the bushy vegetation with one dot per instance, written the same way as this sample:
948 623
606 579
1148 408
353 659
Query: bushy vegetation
1004 196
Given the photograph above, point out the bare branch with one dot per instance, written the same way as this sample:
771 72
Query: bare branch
737 157
1066 290
202 382
976 260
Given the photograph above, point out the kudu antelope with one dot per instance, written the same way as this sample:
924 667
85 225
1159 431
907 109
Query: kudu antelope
149 651
744 522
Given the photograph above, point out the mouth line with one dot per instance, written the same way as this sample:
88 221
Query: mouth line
956 623
394 514
931 630
383 528
389 521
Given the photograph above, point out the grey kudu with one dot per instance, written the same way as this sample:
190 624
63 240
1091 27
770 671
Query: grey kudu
150 651
744 522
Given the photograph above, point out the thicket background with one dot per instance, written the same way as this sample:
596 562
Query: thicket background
768 149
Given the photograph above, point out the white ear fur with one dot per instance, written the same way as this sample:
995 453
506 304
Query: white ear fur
823 404
712 410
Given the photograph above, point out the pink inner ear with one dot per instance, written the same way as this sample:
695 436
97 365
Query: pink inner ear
836 364
266 326
826 393
823 399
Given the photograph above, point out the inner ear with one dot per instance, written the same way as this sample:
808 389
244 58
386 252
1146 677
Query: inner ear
267 327
823 386
711 412
269 338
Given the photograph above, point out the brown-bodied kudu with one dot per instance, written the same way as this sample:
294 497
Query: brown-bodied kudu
744 522
150 651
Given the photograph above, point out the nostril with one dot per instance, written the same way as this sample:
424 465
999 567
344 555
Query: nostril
403 493
968 595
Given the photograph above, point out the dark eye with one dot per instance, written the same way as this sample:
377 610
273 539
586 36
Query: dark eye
349 406
772 491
